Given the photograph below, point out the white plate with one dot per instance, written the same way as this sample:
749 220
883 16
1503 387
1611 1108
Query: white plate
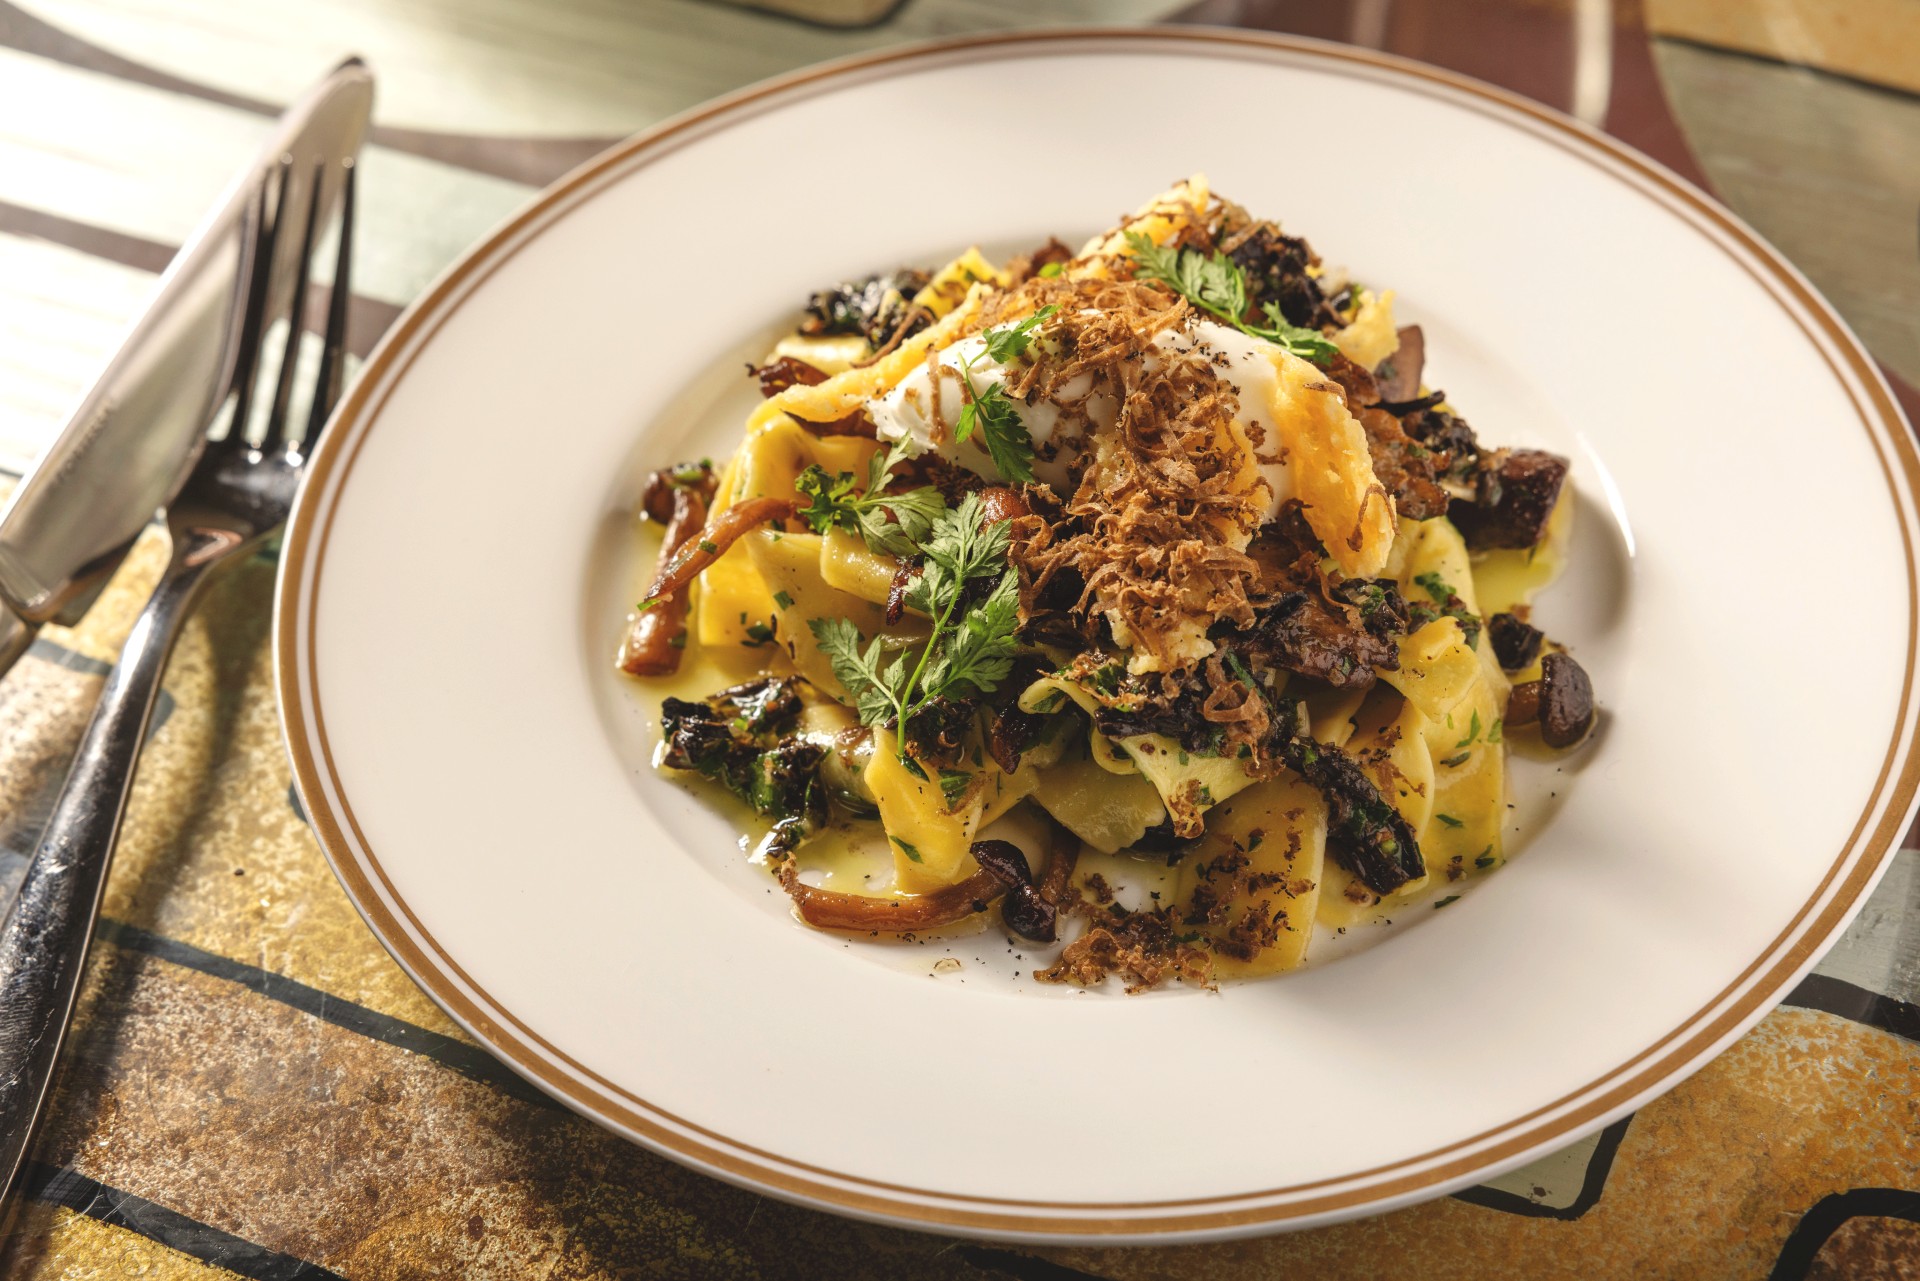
1743 595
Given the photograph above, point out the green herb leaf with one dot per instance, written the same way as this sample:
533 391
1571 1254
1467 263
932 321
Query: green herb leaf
907 849
1215 284
954 784
875 688
1486 858
1051 271
1450 606
892 524
1007 343
1308 344
971 647
1451 898
1449 820
1461 759
783 600
1473 730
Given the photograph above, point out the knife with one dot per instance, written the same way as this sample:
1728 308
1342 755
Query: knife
135 436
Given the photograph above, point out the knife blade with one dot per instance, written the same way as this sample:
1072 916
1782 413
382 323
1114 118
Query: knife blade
129 445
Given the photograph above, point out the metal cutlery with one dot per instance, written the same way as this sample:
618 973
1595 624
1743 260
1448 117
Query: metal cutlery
237 494
127 448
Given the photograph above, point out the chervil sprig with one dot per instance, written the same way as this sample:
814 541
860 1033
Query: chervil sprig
1215 284
990 411
889 523
969 651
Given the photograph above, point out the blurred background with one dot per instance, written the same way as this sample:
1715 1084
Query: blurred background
120 119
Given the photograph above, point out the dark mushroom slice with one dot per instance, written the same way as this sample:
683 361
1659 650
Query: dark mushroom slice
782 372
1276 268
1026 913
1561 701
875 308
1514 495
1399 374
1338 642
1365 833
656 495
741 739
1515 643
1409 469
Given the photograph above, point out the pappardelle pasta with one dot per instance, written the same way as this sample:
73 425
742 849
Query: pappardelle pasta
1164 545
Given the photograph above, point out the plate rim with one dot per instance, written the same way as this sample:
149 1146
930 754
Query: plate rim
1652 1071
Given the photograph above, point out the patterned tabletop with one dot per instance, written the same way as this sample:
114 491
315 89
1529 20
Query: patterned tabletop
254 1089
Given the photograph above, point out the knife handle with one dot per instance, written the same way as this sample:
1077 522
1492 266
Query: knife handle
43 944
16 633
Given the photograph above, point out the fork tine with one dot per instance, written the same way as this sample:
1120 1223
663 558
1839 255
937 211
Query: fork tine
333 363
296 315
246 366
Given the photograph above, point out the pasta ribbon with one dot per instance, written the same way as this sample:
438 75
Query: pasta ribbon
734 600
846 392
788 568
1189 784
1159 220
1106 810
1253 883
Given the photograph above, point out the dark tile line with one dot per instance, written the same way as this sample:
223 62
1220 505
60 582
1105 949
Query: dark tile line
1599 1165
114 246
73 660
1817 1225
96 1200
469 1061
537 161
367 318
1861 1005
1022 1267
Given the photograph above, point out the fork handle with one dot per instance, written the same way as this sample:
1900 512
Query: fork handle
43 945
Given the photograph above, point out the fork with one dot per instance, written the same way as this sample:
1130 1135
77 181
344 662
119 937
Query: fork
238 494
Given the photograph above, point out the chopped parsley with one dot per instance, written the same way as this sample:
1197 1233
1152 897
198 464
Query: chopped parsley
906 849
1451 898
1486 858
1215 284
954 784
1460 759
758 634
1449 820
783 600
1473 730
1446 604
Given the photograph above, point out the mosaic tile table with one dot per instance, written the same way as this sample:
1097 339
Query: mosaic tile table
254 1089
